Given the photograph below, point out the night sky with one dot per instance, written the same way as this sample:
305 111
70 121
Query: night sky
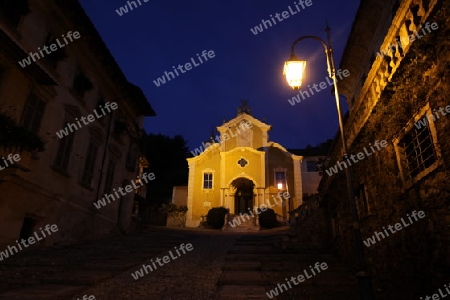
159 34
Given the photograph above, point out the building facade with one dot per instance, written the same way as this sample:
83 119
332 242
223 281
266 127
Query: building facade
398 57
56 75
241 169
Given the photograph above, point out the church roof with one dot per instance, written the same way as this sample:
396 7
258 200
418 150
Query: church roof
244 112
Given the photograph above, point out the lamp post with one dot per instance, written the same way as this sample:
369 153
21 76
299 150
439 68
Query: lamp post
293 69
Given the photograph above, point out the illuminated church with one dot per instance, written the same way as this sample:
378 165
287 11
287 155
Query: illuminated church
243 169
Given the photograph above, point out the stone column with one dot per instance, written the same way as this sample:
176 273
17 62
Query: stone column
298 193
190 197
222 197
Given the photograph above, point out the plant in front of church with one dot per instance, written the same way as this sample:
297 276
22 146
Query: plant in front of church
175 215
13 135
170 207
216 217
268 219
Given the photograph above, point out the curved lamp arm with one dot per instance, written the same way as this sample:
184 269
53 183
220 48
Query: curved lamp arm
328 50
331 72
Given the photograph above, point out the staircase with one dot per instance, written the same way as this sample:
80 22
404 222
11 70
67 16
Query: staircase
257 264
240 224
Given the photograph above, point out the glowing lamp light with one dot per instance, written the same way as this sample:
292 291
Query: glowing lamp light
280 186
293 70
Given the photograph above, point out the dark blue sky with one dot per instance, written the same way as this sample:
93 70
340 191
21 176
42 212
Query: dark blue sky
159 34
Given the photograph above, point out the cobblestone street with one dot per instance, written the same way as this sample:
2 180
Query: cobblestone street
221 265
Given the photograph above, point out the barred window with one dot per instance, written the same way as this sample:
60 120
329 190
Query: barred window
417 147
419 150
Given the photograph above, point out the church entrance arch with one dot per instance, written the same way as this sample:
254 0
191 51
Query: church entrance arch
243 197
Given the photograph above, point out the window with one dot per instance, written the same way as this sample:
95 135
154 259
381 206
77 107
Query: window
119 127
12 10
54 56
63 153
28 227
362 203
207 181
280 179
81 83
132 157
417 150
100 104
311 166
32 113
109 180
65 144
89 165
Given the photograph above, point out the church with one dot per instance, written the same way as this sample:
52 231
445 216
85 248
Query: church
241 169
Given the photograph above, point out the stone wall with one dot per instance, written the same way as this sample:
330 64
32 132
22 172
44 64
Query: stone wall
414 261
176 219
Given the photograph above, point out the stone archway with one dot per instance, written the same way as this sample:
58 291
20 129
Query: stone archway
244 196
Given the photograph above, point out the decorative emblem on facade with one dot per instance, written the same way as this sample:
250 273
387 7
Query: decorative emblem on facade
242 162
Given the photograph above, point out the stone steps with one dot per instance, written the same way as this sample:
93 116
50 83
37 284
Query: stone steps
254 266
243 225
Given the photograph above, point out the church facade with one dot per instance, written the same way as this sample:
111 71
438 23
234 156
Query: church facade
241 169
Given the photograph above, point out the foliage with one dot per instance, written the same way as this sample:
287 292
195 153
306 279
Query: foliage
13 135
268 219
168 208
216 217
167 159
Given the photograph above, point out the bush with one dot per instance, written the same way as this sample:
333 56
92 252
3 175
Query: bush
216 217
170 207
268 219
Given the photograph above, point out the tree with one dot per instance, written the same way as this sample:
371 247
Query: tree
167 160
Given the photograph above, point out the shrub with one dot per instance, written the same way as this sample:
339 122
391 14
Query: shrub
170 207
14 135
216 217
268 219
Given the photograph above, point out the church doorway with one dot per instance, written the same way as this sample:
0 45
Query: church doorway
243 198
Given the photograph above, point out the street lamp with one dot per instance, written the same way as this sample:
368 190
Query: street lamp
293 70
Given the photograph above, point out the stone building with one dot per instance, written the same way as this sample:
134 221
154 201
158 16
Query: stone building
241 169
45 89
398 57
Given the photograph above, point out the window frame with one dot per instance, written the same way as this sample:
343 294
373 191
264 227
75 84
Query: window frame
109 177
275 182
210 180
89 164
33 109
407 179
66 145
81 84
